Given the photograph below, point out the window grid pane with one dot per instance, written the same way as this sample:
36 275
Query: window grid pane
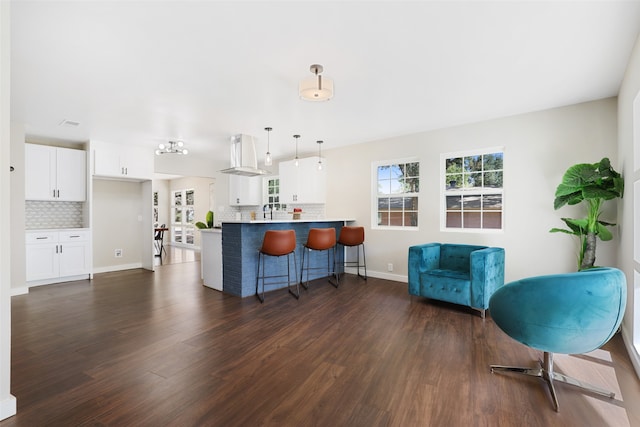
473 191
398 187
273 191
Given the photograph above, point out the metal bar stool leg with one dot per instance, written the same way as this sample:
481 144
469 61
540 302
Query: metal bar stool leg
364 263
260 258
295 276
304 285
333 272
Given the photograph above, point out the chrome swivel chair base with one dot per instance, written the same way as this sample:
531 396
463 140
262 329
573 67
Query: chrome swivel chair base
546 372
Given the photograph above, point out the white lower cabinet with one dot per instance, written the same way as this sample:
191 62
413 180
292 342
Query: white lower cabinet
211 258
54 256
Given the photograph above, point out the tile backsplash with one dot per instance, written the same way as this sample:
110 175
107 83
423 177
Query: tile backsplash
311 211
44 214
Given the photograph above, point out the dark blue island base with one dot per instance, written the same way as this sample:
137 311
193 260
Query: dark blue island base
241 242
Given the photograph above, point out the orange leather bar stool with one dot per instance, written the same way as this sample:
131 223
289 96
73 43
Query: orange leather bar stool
277 243
351 236
320 239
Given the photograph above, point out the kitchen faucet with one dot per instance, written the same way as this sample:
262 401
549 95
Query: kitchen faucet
266 208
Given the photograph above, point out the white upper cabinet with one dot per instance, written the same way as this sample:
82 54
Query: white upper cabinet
122 161
55 173
303 183
245 190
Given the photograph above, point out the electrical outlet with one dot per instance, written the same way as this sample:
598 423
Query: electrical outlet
118 253
390 267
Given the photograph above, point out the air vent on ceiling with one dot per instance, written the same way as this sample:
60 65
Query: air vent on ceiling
69 123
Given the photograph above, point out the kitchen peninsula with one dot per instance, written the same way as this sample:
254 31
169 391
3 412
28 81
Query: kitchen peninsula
241 241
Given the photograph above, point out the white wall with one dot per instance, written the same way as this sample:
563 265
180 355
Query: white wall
117 210
538 148
628 91
7 401
192 164
17 207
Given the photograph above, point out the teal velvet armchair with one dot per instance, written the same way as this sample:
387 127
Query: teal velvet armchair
570 313
460 274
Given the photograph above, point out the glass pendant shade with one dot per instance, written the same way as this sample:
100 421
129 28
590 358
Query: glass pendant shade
268 161
319 155
296 158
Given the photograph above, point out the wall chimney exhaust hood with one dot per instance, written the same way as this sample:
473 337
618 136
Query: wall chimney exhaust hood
243 157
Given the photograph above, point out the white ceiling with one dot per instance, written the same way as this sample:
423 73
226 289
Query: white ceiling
149 71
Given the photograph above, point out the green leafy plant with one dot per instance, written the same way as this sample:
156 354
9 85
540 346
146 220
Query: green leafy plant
593 184
209 221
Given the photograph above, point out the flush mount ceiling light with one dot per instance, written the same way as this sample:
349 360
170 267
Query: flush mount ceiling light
267 159
316 88
174 147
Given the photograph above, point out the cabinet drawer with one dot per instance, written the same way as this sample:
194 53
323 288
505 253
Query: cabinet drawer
74 236
41 237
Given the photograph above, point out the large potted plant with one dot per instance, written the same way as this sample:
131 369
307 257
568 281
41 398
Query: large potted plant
592 184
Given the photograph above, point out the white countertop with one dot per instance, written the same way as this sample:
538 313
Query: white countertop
211 230
49 230
285 221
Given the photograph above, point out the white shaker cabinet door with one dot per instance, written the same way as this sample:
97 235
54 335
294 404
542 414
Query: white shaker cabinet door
40 172
71 175
42 261
245 190
74 258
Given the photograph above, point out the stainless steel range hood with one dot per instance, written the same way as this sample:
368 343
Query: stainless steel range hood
243 157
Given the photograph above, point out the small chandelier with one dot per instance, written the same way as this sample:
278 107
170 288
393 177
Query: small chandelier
296 158
174 147
267 159
315 88
319 155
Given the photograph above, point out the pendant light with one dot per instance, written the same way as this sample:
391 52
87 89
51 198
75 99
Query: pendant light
267 159
319 154
296 159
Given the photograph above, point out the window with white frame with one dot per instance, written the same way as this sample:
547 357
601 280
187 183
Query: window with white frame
183 217
397 187
273 194
472 190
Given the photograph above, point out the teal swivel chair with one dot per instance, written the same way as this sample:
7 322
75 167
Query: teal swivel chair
569 313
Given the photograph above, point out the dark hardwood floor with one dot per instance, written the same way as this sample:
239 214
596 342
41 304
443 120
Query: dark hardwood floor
139 348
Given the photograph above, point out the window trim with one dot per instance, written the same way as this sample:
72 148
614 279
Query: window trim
374 193
443 193
265 193
186 228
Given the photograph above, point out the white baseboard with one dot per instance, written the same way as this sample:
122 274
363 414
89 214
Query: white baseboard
22 290
57 280
120 267
7 407
632 350
379 275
